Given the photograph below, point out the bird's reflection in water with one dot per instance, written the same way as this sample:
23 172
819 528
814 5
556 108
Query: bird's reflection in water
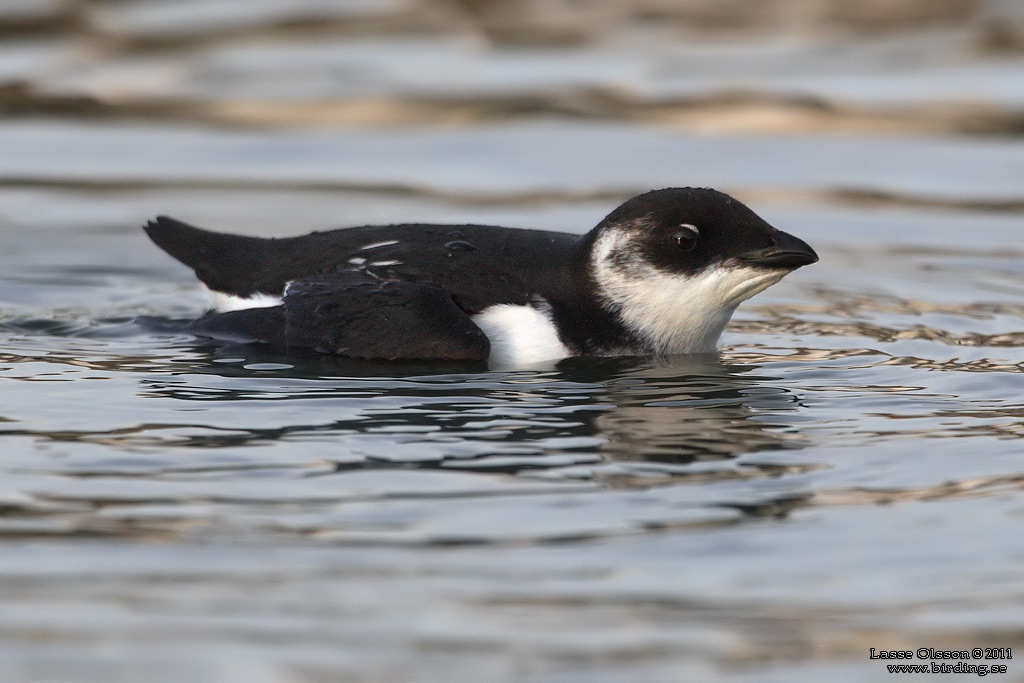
677 410
684 409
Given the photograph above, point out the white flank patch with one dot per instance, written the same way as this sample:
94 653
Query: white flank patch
357 261
385 263
675 313
377 245
222 303
520 335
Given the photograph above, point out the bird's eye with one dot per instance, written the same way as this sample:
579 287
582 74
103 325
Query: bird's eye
686 237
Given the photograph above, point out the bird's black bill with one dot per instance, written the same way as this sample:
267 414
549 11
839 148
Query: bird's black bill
787 252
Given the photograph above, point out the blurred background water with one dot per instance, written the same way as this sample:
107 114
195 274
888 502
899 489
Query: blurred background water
846 475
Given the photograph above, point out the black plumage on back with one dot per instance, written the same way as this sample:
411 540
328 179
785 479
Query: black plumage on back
517 263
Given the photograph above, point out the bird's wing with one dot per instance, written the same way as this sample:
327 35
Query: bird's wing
354 314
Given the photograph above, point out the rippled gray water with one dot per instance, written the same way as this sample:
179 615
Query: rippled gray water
844 475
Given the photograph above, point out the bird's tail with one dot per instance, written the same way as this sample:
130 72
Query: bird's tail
232 264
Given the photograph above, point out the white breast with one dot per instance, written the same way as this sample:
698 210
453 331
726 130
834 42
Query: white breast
521 335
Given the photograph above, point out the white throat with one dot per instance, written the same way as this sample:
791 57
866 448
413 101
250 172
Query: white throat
673 313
